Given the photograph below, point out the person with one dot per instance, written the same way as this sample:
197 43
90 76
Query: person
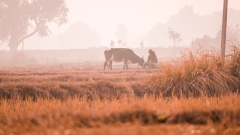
152 59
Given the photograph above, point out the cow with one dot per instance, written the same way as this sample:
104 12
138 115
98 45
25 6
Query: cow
121 55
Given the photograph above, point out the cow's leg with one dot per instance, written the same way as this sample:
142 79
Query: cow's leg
110 64
106 64
125 64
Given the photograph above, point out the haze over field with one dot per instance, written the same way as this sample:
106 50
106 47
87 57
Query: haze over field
108 66
93 23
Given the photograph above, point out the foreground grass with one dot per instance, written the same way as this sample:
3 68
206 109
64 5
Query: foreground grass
44 116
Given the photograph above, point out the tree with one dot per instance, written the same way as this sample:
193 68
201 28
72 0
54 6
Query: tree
79 35
121 33
120 41
175 36
233 34
157 35
141 44
112 43
21 19
205 40
233 38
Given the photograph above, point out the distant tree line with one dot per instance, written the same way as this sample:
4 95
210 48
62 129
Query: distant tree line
193 28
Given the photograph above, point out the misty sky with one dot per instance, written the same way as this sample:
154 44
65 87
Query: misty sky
139 16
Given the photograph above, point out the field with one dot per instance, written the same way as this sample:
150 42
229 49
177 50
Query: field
195 95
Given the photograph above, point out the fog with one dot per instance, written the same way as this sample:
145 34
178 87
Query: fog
93 24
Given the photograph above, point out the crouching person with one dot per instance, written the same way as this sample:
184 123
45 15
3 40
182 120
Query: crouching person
152 60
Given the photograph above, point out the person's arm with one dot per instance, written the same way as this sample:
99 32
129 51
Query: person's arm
156 59
149 58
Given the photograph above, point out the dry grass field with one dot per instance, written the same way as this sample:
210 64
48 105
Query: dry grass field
196 95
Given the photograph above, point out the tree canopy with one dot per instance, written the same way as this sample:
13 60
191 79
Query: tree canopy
21 19
175 36
79 34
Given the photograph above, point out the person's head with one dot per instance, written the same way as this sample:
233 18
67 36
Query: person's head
150 51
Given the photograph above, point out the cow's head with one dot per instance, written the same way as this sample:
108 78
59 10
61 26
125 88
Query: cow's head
107 54
141 61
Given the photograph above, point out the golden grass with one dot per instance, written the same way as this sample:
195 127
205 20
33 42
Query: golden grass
65 83
194 95
28 116
198 73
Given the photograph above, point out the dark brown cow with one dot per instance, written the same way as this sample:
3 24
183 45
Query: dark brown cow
121 55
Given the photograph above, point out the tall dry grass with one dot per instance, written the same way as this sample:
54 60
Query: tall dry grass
198 73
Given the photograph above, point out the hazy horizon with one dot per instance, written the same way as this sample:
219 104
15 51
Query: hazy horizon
102 18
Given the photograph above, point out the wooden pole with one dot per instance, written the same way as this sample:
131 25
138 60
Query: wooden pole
224 27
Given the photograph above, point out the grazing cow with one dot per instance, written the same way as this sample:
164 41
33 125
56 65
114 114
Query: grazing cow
121 55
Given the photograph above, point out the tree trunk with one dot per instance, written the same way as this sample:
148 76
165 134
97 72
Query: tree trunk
13 47
13 44
16 39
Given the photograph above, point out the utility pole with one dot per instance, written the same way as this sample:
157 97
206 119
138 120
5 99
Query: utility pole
224 27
